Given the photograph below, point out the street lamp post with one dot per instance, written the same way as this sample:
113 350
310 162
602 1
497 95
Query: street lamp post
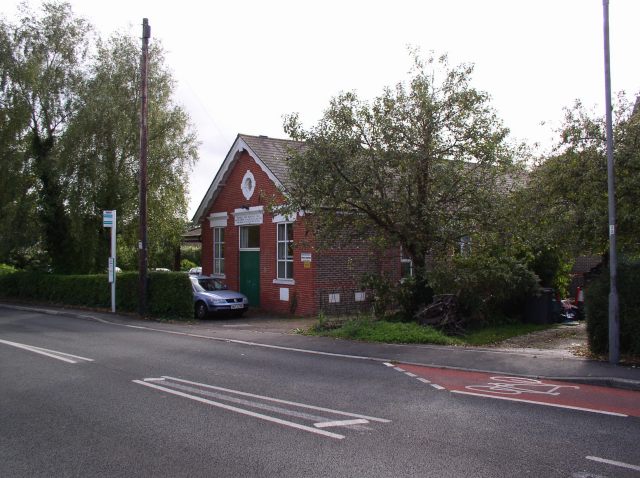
146 33
614 308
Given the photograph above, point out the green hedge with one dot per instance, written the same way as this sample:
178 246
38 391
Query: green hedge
597 310
169 293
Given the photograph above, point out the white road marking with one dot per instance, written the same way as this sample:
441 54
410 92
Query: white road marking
277 400
242 411
341 423
614 463
248 403
387 364
49 353
557 405
79 357
413 375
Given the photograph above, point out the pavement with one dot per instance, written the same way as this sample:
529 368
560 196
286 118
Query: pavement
280 333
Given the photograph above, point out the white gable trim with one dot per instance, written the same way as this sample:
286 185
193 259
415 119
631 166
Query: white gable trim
219 180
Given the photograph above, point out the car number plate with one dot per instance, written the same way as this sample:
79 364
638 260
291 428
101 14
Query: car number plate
237 306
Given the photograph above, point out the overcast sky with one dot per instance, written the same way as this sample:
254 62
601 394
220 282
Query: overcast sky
241 65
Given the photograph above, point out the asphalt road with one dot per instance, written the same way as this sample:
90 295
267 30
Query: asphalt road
84 398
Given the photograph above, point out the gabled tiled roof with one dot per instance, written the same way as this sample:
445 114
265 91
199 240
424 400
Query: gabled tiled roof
273 153
270 154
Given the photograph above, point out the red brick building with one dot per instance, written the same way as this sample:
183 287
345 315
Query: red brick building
271 259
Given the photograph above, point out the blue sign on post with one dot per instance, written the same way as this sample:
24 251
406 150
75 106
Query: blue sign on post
107 218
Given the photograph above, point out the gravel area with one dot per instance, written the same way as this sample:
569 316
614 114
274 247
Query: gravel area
569 338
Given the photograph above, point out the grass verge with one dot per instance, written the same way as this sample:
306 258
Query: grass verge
369 330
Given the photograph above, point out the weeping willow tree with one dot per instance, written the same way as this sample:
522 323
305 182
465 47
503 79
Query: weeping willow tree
69 143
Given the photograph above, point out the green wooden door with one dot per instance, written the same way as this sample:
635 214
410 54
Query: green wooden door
250 276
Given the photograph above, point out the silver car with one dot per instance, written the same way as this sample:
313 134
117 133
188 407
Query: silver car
211 296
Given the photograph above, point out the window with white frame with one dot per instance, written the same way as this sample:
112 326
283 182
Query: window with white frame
250 237
406 265
285 250
218 250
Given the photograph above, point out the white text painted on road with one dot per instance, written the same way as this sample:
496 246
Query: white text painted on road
519 385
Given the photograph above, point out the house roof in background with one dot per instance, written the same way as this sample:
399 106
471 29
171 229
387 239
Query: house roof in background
192 235
584 264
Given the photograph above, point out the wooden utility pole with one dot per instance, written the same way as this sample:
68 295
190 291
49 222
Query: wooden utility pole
142 244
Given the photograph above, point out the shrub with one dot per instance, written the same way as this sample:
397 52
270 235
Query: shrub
169 294
7 269
382 292
597 310
411 294
487 286
86 290
552 268
127 291
191 253
186 264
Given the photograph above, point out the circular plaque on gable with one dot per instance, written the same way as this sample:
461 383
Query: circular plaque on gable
248 184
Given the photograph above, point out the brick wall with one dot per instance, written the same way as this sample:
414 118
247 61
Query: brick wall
301 299
317 283
340 272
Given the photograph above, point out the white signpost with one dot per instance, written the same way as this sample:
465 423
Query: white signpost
109 220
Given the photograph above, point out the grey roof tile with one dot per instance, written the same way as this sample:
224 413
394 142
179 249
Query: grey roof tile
274 153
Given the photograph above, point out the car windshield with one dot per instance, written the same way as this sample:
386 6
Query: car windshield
203 285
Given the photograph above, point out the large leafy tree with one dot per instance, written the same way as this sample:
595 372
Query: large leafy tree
17 199
72 141
423 165
566 197
42 64
105 135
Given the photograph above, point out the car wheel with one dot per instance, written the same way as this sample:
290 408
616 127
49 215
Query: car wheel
201 310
